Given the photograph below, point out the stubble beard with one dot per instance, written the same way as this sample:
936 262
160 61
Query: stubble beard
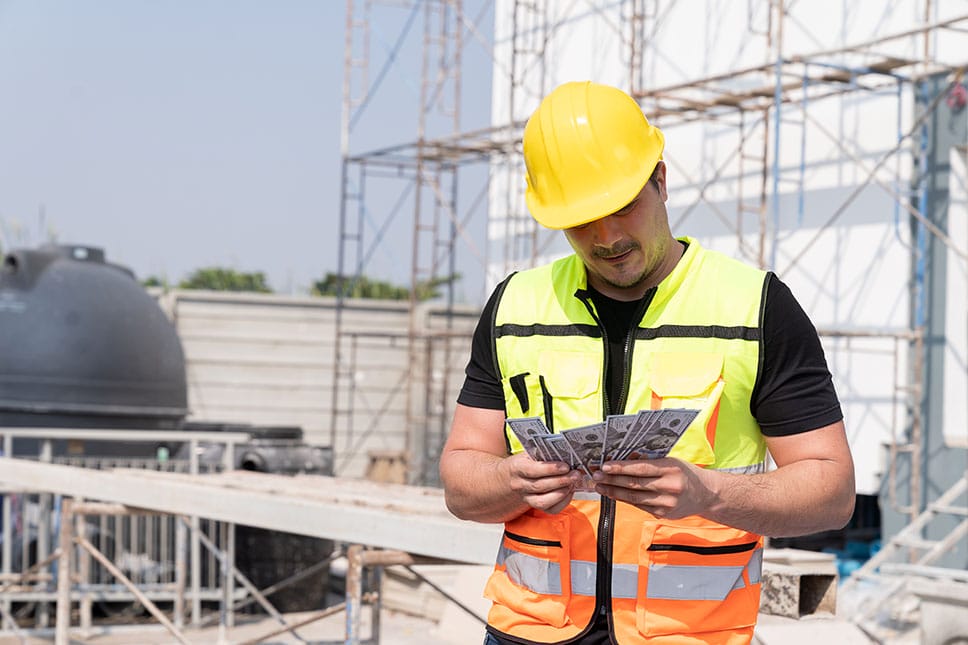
638 279
625 284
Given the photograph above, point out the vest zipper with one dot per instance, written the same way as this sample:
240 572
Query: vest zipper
603 576
627 350
603 582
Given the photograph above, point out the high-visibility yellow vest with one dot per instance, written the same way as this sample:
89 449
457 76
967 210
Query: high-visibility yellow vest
697 345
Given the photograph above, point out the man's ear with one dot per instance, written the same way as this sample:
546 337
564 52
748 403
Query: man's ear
659 174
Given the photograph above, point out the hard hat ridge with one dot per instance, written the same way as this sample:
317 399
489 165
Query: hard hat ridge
589 150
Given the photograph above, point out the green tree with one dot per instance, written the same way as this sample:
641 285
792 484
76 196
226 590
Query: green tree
430 289
222 279
154 281
364 287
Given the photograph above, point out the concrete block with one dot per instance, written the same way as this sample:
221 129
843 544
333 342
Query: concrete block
798 583
806 561
387 466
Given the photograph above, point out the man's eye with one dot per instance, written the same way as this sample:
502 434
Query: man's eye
625 211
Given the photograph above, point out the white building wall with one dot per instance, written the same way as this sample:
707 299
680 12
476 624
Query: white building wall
956 304
835 231
268 360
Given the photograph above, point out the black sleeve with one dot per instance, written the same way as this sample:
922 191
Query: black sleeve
482 387
794 391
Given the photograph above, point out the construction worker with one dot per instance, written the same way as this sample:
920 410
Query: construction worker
663 550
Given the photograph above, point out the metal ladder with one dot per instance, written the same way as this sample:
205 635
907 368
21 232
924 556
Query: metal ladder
892 578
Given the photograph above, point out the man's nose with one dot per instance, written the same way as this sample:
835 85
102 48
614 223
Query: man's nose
605 231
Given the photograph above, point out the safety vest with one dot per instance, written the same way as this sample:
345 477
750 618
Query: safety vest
696 345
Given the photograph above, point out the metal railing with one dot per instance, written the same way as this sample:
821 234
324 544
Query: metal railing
151 549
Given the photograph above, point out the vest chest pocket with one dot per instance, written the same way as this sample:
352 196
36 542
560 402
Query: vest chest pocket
571 375
696 578
559 383
695 381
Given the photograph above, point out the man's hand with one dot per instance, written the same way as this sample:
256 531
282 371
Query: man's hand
545 485
811 490
483 484
666 488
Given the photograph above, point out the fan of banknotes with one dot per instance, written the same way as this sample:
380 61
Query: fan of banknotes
648 434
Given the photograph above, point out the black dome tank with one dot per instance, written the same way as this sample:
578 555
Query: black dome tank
82 344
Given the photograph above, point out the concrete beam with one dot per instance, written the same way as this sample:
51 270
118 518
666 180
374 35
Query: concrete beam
406 518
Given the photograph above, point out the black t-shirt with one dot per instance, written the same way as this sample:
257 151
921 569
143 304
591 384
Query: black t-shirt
793 393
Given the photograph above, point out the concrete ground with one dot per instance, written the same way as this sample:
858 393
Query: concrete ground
398 628
395 629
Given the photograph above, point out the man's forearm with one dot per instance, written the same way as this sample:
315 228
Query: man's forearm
801 498
476 487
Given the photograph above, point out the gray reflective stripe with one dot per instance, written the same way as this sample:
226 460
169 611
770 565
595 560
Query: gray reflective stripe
589 495
583 578
502 554
755 566
625 580
679 582
540 576
752 469
739 584
666 581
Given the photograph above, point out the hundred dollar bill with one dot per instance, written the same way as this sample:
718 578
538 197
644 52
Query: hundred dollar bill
588 442
527 429
662 434
616 429
560 446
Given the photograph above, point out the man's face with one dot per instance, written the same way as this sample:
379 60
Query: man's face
629 251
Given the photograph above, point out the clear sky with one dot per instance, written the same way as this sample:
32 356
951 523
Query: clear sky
181 134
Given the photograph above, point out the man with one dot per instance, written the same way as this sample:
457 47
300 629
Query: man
661 550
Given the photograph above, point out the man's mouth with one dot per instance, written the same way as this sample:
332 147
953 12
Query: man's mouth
616 257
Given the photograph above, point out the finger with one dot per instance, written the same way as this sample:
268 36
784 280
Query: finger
537 469
559 507
637 468
649 501
630 482
553 501
545 485
619 493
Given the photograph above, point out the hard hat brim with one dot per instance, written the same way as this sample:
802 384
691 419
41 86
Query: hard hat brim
576 213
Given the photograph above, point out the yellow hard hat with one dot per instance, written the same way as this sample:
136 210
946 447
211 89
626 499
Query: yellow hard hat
589 151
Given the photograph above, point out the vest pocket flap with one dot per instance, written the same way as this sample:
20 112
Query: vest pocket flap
685 374
522 395
699 577
570 375
531 578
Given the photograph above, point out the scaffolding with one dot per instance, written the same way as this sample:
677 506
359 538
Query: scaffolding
767 104
424 173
